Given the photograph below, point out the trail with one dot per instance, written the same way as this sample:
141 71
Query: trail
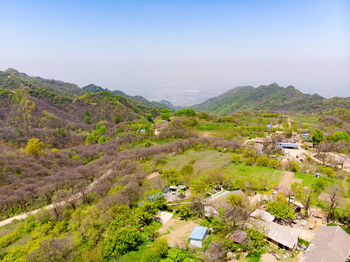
58 204
286 181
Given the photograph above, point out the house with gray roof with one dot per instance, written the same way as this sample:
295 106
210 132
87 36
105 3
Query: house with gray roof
331 243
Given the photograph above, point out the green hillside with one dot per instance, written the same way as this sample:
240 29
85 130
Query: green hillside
270 97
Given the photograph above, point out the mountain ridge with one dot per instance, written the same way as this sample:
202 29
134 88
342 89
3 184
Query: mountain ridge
269 97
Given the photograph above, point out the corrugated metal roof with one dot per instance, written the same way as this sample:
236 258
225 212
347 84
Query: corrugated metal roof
198 233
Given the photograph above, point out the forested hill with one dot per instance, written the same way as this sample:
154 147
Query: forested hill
34 103
12 79
270 97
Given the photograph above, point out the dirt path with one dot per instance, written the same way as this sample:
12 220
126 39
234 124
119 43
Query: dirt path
62 203
286 181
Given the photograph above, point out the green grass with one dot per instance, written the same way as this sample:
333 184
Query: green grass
257 172
215 126
306 119
138 255
309 179
201 160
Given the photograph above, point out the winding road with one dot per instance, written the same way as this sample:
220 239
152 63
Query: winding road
61 203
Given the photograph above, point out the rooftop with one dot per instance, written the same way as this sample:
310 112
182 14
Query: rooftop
239 236
263 215
331 243
198 233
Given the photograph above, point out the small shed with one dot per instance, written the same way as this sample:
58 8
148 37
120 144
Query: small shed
172 188
197 236
318 174
239 236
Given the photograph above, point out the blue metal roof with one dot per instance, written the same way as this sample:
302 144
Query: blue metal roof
282 144
198 233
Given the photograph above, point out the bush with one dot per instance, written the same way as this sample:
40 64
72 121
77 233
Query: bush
328 171
249 161
274 163
236 158
262 161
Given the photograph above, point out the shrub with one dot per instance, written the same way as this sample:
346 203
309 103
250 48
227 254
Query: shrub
262 161
236 158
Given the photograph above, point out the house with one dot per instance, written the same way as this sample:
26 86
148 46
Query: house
284 145
279 132
282 236
306 136
269 126
197 236
330 244
239 236
294 133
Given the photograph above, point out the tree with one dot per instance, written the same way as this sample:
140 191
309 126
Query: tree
237 209
262 161
149 117
280 209
120 240
166 114
317 137
87 117
333 201
183 211
34 147
116 119
304 194
171 175
236 158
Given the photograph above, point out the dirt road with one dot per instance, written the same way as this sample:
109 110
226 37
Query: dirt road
62 203
286 181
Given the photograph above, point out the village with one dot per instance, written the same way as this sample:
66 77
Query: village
303 237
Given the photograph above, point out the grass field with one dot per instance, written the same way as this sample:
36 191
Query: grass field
201 160
309 179
257 172
215 126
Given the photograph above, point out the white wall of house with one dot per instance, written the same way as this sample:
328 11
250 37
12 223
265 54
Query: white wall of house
196 243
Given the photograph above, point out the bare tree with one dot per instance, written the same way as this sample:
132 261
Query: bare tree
333 201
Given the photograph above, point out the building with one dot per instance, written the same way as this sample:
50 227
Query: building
239 236
262 215
197 236
281 236
330 244
284 145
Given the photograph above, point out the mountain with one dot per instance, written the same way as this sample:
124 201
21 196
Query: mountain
28 102
92 88
269 97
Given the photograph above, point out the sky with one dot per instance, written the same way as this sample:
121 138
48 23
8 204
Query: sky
184 51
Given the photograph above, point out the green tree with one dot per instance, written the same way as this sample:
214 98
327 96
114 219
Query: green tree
165 114
236 158
149 117
87 119
317 137
116 119
34 147
262 161
120 240
186 112
183 211
280 209
171 175
274 163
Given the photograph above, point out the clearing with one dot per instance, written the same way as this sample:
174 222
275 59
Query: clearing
177 232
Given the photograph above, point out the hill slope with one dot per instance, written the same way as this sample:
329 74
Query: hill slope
271 97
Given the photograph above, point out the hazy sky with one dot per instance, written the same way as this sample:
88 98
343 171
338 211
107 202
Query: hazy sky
182 50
